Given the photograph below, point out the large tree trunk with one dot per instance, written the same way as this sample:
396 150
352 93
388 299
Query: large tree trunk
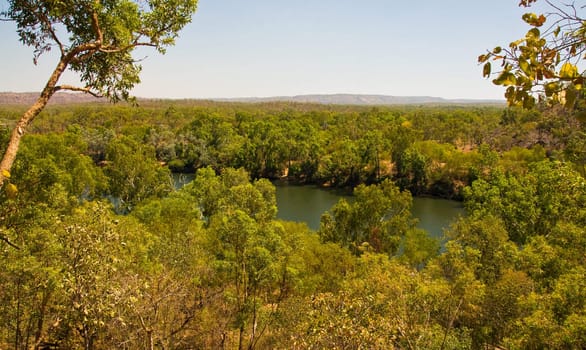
27 118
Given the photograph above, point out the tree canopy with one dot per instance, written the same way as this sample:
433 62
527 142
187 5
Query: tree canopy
209 265
95 40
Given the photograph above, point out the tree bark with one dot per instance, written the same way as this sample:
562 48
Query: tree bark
41 318
28 117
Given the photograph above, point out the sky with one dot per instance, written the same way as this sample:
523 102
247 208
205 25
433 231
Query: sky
261 48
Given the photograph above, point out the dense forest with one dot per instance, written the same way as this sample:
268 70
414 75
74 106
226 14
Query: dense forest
100 250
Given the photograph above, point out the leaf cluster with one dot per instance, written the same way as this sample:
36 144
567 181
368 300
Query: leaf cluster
544 65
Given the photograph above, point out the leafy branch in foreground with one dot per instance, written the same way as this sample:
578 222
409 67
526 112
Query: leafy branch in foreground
543 66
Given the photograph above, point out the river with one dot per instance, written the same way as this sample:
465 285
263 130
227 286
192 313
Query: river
308 203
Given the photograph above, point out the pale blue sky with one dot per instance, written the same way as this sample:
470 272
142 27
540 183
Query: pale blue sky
237 48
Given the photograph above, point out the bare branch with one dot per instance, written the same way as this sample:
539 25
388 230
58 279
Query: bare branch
7 241
86 90
564 13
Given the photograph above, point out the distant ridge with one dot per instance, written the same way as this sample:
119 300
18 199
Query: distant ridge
28 98
358 99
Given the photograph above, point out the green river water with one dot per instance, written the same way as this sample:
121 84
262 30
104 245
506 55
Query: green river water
307 204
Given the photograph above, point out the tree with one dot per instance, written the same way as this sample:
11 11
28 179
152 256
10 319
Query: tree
134 174
545 62
101 38
532 204
412 169
67 286
382 304
378 218
249 250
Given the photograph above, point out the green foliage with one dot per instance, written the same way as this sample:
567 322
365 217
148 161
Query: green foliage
70 275
49 174
412 170
249 256
545 62
529 205
97 45
134 173
209 140
502 307
91 252
209 266
264 151
487 241
341 148
418 248
56 158
343 164
377 219
382 305
176 222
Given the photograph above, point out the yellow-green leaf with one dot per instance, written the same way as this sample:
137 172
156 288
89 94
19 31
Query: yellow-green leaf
11 191
550 88
528 102
510 94
533 33
505 78
568 70
486 70
514 44
570 96
510 79
524 65
534 20
529 17
6 174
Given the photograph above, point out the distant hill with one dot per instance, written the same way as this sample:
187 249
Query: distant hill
28 98
357 99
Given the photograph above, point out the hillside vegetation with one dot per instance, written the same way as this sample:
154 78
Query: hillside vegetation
209 265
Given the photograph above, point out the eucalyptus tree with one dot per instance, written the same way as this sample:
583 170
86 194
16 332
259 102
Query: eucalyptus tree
95 40
377 219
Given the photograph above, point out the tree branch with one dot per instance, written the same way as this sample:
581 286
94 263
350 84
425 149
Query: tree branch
5 239
86 90
51 31
31 113
563 13
96 27
106 49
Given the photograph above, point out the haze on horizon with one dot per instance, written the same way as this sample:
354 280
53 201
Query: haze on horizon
261 48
